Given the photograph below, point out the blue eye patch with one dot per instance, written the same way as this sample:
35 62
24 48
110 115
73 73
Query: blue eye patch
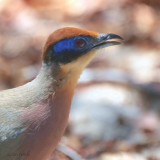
71 45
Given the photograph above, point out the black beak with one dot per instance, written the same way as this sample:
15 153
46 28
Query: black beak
103 40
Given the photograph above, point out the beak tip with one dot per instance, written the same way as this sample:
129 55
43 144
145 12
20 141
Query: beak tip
114 36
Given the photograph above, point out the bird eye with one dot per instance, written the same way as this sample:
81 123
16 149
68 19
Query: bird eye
80 42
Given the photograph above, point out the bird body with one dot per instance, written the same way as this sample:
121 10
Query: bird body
33 117
40 107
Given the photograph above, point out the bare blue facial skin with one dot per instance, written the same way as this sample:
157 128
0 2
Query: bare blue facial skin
69 49
71 44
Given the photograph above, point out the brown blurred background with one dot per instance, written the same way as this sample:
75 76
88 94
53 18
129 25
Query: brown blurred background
116 107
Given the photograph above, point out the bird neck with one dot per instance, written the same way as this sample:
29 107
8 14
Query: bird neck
54 77
64 76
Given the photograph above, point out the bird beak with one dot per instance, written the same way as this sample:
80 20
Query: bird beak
107 39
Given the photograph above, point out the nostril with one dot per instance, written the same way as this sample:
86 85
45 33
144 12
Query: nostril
103 36
109 37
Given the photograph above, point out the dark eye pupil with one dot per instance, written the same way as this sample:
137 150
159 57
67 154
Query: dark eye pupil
80 42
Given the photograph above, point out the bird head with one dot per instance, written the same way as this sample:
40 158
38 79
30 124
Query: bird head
71 49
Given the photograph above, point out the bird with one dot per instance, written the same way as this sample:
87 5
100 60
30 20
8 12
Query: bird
33 117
